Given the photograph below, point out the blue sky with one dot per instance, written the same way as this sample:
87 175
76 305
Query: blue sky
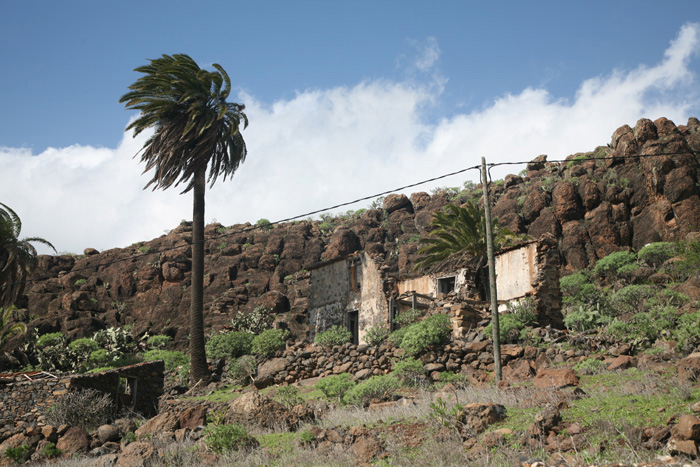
345 99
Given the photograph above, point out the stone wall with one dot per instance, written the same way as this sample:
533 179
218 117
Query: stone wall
24 401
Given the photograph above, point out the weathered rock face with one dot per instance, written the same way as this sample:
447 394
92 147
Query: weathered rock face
591 208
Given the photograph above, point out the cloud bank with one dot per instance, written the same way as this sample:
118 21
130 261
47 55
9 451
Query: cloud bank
327 146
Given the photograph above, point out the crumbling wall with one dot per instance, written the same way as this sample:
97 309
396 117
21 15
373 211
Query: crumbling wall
371 301
330 289
24 401
516 272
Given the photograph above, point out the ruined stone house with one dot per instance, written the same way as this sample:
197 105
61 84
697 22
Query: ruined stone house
356 292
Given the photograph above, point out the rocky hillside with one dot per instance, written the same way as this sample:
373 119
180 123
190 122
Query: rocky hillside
593 207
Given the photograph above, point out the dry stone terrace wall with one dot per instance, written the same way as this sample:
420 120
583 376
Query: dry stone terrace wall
302 361
23 402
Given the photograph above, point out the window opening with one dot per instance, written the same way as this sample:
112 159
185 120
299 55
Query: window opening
353 324
446 285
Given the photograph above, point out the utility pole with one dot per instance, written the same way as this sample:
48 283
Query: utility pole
492 274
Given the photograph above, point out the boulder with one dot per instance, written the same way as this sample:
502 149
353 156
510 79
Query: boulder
165 421
193 417
396 202
557 378
689 369
689 427
252 409
268 370
137 454
73 441
477 417
343 242
106 433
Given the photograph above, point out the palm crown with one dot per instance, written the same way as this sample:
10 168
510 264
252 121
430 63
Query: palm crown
18 258
194 125
459 230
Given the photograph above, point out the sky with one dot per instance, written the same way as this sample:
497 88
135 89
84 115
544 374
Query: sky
345 99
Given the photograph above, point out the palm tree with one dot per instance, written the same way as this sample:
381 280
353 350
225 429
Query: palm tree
460 230
8 330
194 129
18 258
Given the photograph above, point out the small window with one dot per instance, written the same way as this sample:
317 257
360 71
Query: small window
446 285
354 282
353 324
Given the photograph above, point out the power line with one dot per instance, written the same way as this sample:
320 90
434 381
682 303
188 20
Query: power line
364 198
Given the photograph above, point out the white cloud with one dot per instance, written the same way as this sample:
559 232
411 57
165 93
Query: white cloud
324 147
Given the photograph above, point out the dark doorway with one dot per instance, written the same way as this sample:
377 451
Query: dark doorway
354 326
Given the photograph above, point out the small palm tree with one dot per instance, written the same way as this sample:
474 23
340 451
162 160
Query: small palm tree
18 258
195 129
8 330
459 231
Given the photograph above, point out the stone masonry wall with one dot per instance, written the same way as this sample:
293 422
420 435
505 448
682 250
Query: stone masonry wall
23 402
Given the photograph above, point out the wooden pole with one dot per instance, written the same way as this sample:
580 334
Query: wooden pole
492 274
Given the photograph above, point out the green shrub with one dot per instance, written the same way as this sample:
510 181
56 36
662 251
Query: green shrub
690 264
376 334
408 317
511 324
223 439
376 387
255 322
172 358
86 409
460 380
229 344
608 266
409 371
117 341
396 337
335 335
655 254
688 331
433 330
243 369
572 285
99 357
631 298
50 451
264 224
159 341
51 340
289 396
269 342
84 346
335 386
589 366
18 454
80 282
583 318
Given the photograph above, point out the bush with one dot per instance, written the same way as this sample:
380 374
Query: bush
289 396
511 324
631 298
434 330
460 380
99 357
269 342
396 337
655 254
223 439
572 285
688 331
172 358
376 335
335 335
117 341
52 339
608 266
243 370
584 318
229 344
589 366
87 409
690 265
84 346
376 387
50 451
335 386
18 454
159 341
407 317
255 322
409 371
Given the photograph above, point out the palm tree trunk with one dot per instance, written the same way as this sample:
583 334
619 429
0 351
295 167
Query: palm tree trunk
198 357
